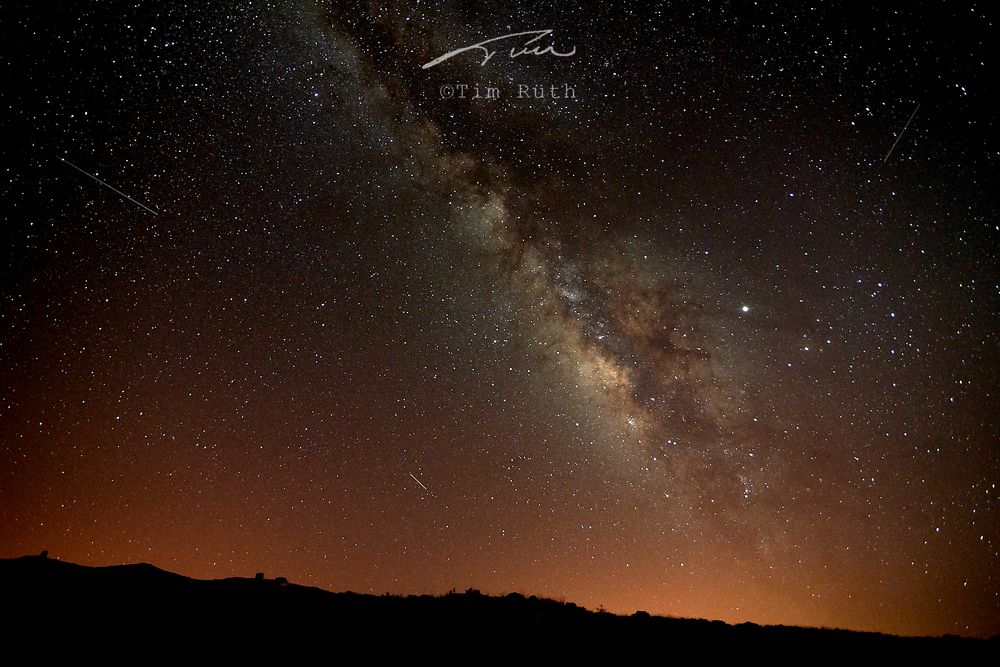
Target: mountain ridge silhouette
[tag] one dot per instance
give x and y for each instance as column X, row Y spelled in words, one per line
column 135, row 606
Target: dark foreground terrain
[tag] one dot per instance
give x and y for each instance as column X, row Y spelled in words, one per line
column 139, row 613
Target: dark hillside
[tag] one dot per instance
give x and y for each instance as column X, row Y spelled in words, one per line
column 140, row 610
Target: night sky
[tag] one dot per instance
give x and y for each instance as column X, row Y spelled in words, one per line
column 713, row 336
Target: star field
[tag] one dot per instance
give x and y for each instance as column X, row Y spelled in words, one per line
column 700, row 339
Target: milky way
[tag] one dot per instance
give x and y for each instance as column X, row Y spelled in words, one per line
column 712, row 336
column 605, row 310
